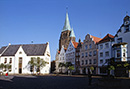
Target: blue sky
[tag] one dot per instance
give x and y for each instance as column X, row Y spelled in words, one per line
column 22, row 21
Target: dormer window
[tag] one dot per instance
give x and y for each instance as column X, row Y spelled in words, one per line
column 20, row 52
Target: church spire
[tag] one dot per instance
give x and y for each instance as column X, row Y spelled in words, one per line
column 72, row 33
column 67, row 23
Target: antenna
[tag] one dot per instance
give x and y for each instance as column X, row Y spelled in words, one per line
column 67, row 9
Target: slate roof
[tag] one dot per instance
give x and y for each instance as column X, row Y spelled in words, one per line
column 11, row 50
column 2, row 49
column 107, row 38
column 29, row 49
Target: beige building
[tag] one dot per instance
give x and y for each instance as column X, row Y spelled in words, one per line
column 89, row 55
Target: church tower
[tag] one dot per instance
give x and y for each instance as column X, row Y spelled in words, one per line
column 67, row 34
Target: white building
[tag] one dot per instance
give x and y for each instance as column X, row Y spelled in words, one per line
column 60, row 58
column 123, row 34
column 71, row 51
column 104, row 53
column 18, row 57
column 119, row 52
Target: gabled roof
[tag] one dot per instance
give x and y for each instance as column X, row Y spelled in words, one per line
column 29, row 49
column 34, row 49
column 107, row 38
column 95, row 39
column 75, row 44
column 2, row 49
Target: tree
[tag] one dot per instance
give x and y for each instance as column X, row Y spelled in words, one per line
column 71, row 68
column 5, row 68
column 111, row 70
column 40, row 64
column 61, row 65
column 9, row 67
column 31, row 65
column 1, row 66
column 36, row 63
column 68, row 64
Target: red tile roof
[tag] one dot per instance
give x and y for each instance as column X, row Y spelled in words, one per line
column 75, row 44
column 95, row 39
column 107, row 38
column 65, row 49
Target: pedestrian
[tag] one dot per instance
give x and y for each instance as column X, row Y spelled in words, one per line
column 6, row 75
column 89, row 77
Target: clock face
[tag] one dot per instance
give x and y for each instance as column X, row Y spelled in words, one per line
column 127, row 22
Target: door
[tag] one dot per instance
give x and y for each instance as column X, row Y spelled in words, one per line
column 20, row 65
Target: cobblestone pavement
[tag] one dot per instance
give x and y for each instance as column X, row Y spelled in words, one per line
column 48, row 82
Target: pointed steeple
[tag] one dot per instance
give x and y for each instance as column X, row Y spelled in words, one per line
column 72, row 33
column 67, row 23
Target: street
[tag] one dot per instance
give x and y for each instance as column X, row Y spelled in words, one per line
column 43, row 82
column 60, row 82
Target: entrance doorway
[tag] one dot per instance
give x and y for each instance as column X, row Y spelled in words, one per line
column 20, row 65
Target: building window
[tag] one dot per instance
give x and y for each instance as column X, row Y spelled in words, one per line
column 101, row 54
column 77, row 54
column 101, row 46
column 86, row 47
column 20, row 52
column 107, row 53
column 90, row 61
column 106, row 45
column 106, row 60
column 90, row 46
column 82, row 62
column 119, row 40
column 63, row 58
column 126, row 28
column 101, row 61
column 90, row 54
column 124, row 53
column 94, row 53
column 82, row 55
column 86, row 62
column 94, row 61
column 118, row 54
column 86, row 54
column 5, row 60
column 10, row 60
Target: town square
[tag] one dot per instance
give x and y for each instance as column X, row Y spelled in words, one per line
column 67, row 44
